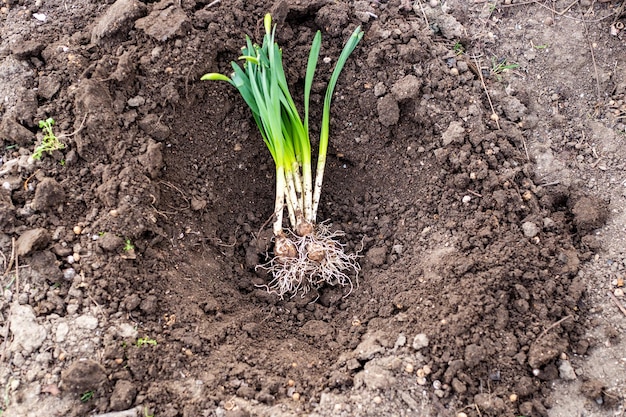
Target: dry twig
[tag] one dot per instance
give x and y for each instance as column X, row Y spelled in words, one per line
column 553, row 325
column 617, row 303
column 494, row 115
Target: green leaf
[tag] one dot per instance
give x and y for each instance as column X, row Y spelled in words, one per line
column 215, row 77
column 310, row 72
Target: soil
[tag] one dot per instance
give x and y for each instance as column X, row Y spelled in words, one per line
column 476, row 164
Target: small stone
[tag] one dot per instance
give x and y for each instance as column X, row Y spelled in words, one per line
column 513, row 398
column 28, row 335
column 619, row 292
column 377, row 400
column 380, row 89
column 69, row 274
column 421, row 380
column 566, row 371
column 530, row 229
column 62, row 330
column 296, row 396
column 31, row 240
column 409, row 368
column 127, row 331
column 420, row 341
column 86, row 322
column 136, row 101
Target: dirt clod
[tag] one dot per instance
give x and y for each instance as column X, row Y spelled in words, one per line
column 32, row 240
column 82, row 376
column 48, row 194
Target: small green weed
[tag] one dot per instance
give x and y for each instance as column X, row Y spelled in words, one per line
column 544, row 46
column 458, row 48
column 147, row 413
column 501, row 66
column 128, row 245
column 50, row 142
column 498, row 66
column 145, row 341
column 87, row 396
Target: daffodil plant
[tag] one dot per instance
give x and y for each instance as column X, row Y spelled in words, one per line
column 308, row 254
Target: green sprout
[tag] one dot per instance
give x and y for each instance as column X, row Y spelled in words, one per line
column 50, row 142
column 544, row 46
column 142, row 341
column 499, row 66
column 87, row 396
column 147, row 413
column 458, row 48
column 308, row 254
column 128, row 245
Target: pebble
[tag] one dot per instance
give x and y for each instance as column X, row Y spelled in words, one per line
column 421, row 380
column 86, row 322
column 77, row 230
column 420, row 341
column 409, row 368
column 530, row 229
column 566, row 371
column 136, row 101
column 62, row 330
column 619, row 292
column 69, row 274
column 28, row 335
column 377, row 400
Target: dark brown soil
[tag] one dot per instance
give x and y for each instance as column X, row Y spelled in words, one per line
column 461, row 241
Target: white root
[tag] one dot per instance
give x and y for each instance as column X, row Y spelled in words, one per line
column 319, row 259
column 279, row 202
column 319, row 178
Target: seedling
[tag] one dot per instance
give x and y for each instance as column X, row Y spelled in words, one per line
column 458, row 48
column 128, row 245
column 145, row 341
column 50, row 142
column 499, row 66
column 87, row 396
column 308, row 254
column 544, row 46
